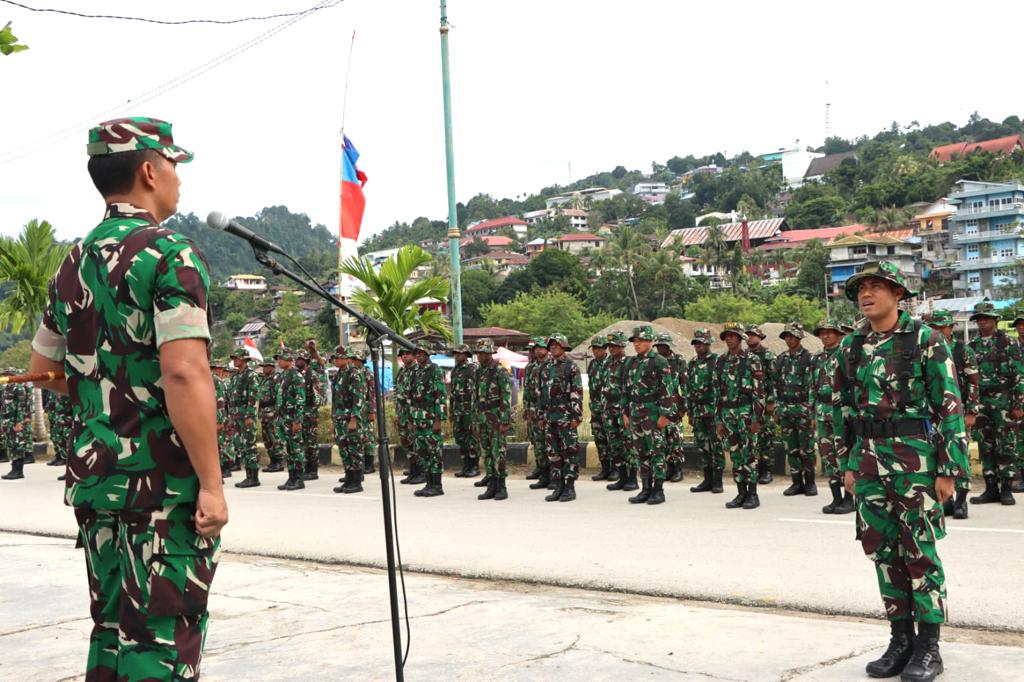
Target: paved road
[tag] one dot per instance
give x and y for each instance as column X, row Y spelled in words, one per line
column 275, row 619
column 785, row 554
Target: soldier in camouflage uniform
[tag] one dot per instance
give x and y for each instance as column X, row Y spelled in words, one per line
column 529, row 382
column 461, row 392
column 58, row 412
column 561, row 410
column 221, row 388
column 828, row 419
column 619, row 444
column 426, row 410
column 764, row 440
column 369, row 422
column 143, row 478
column 492, row 396
column 597, row 375
column 244, row 410
column 3, row 441
column 290, row 407
column 1018, row 424
column 16, row 425
column 404, row 382
column 792, row 374
column 905, row 446
column 311, row 366
column 741, row 405
column 650, row 403
column 966, row 365
column 531, row 400
column 348, row 411
column 701, row 404
column 266, row 400
column 674, row 456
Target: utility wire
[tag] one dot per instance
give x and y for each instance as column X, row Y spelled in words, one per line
column 162, row 89
column 159, row 21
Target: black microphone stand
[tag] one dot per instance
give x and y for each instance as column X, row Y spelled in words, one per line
column 376, row 332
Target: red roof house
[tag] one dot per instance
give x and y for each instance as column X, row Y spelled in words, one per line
column 1000, row 145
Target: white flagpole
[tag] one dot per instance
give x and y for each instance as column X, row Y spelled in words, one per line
column 342, row 316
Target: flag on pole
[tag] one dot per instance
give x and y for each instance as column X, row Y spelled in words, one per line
column 250, row 347
column 353, row 203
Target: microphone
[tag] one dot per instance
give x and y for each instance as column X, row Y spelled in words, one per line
column 219, row 221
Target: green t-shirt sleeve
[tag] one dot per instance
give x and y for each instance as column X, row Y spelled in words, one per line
column 180, row 295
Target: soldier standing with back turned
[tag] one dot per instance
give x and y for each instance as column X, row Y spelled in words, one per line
column 764, row 440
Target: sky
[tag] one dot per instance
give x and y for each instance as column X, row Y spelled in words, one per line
column 543, row 92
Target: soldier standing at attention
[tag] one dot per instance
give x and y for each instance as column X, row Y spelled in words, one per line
column 614, row 411
column 266, row 398
column 244, row 409
column 561, row 410
column 144, row 477
column 597, row 376
column 224, row 440
column 764, row 440
column 1001, row 389
column 17, row 423
column 702, row 404
column 3, row 421
column 531, row 393
column 528, row 380
column 427, row 403
column 290, row 408
column 404, row 382
column 493, row 399
column 966, row 365
column 792, row 374
column 369, row 422
column 348, row 405
column 904, row 449
column 674, row 456
column 649, row 404
column 310, row 365
column 461, row 393
column 58, row 413
column 828, row 418
column 741, row 406
column 1018, row 440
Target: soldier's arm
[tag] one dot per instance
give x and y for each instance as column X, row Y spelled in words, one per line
column 943, row 395
column 667, row 390
column 759, row 393
column 971, row 393
column 1016, row 357
column 505, row 388
column 437, row 388
column 576, row 396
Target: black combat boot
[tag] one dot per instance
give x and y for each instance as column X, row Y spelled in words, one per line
column 895, row 657
column 502, row 492
column 620, row 480
column 368, row 466
column 291, row 478
column 535, row 474
column 613, row 472
column 991, row 493
column 225, row 471
column 716, row 482
column 252, row 478
column 752, row 501
column 557, row 492
column 1006, row 496
column 296, row 482
column 63, row 477
column 1019, row 486
column 274, row 466
column 344, row 480
column 433, row 488
column 675, row 472
column 417, row 477
column 631, row 483
column 353, row 485
column 312, row 472
column 798, row 485
column 603, row 474
column 57, row 461
column 837, row 497
column 474, row 467
column 237, row 464
column 810, row 489
column 644, row 494
column 960, row 505
column 657, row 493
column 847, row 506
column 492, row 488
column 568, row 493
column 926, row 663
column 16, row 472
column 737, row 502
column 461, row 473
column 483, row 482
column 543, row 479
column 705, row 485
column 30, row 457
column 764, row 472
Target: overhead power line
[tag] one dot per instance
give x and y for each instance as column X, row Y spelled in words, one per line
column 81, row 15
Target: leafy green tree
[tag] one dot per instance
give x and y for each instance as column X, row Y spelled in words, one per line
column 545, row 313
column 477, row 247
column 822, row 210
column 788, row 308
column 28, row 263
column 289, row 325
column 478, row 287
column 551, row 269
column 17, row 355
column 9, row 42
column 627, row 248
column 813, row 259
column 724, row 308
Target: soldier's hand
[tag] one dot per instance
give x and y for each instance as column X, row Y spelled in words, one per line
column 755, row 427
column 18, row 427
column 720, row 430
column 437, row 426
column 503, row 428
column 969, row 420
column 945, row 486
column 296, row 427
column 574, row 424
column 211, row 512
column 770, row 408
column 662, row 422
column 352, row 424
column 249, row 423
column 373, row 416
column 625, row 421
column 1016, row 413
column 848, row 481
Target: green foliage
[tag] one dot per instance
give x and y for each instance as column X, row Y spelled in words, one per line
column 28, row 263
column 399, row 234
column 724, row 308
column 813, row 259
column 289, row 326
column 546, row 313
column 17, row 355
column 9, row 42
column 827, row 209
column 788, row 308
column 478, row 287
column 551, row 269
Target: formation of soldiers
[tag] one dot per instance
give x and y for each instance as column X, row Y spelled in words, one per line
column 15, row 425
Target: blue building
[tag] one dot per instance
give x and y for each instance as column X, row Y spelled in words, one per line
column 986, row 232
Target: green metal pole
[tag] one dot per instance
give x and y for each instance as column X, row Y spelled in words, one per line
column 449, row 154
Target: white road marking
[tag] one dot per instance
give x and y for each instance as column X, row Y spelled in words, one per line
column 948, row 526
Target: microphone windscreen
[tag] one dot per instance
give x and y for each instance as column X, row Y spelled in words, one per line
column 217, row 220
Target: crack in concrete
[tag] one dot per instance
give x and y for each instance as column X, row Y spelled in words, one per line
column 793, row 673
column 42, row 626
column 648, row 664
column 272, row 601
column 542, row 657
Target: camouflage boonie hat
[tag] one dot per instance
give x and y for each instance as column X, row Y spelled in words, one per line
column 702, row 335
column 756, row 329
column 560, row 340
column 135, row 134
column 267, row 362
column 485, row 346
column 617, row 339
column 302, row 354
column 828, row 324
column 985, row 309
column 353, row 354
column 240, row 352
column 599, row 342
column 663, row 340
column 733, row 328
column 847, row 328
column 462, row 348
column 794, row 328
column 941, row 318
column 890, row 272
column 535, row 341
column 643, row 332
column 285, row 354
column 424, row 347
column 1019, row 317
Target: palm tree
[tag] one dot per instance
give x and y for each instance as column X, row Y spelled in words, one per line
column 892, row 218
column 627, row 248
column 666, row 268
column 390, row 297
column 27, row 264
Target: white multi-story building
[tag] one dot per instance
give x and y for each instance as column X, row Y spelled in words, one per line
column 987, row 232
column 577, row 216
column 582, row 198
column 253, row 283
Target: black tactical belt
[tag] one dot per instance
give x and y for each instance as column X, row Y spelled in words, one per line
column 742, row 402
column 786, row 400
column 992, row 390
column 887, row 428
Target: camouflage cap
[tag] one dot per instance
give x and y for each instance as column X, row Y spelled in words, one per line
column 617, row 338
column 733, row 328
column 847, row 328
column 560, row 339
column 599, row 342
column 1019, row 317
column 702, row 335
column 240, row 352
column 353, row 354
column 886, row 270
column 663, row 339
column 756, row 329
column 302, row 354
column 285, row 354
column 424, row 347
column 462, row 348
column 643, row 332
column 828, row 324
column 985, row 309
column 941, row 318
column 133, row 134
column 485, row 345
column 267, row 362
column 536, row 341
column 794, row 328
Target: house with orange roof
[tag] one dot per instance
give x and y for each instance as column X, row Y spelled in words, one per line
column 1000, row 145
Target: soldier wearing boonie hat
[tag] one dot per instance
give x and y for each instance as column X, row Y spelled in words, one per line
column 675, row 455
column 792, row 375
column 650, row 402
column 598, row 377
column 764, row 440
column 828, row 417
column 462, row 410
column 427, row 414
column 561, row 410
column 701, row 405
column 493, row 399
column 624, row 459
column 538, row 353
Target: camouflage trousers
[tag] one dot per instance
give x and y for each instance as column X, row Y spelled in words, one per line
column 351, row 444
column 19, row 443
column 243, row 443
column 597, row 428
column 563, row 448
column 290, row 445
column 674, row 443
column 620, row 444
column 798, row 439
column 827, row 449
column 149, row 581
column 739, row 442
column 492, row 447
column 370, row 436
column 536, row 435
column 60, row 435
column 225, row 445
column 310, row 424
column 465, row 435
column 427, row 446
column 650, row 445
column 268, row 432
column 705, row 438
column 900, row 522
column 764, row 440
column 995, row 443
